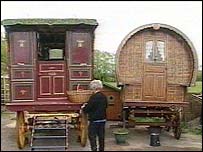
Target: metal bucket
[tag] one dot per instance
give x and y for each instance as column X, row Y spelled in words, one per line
column 154, row 139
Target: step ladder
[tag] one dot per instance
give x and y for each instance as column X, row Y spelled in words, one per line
column 49, row 133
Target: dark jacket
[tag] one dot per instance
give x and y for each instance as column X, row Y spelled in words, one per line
column 96, row 107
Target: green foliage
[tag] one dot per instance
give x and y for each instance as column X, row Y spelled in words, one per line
column 104, row 63
column 4, row 56
column 121, row 131
column 192, row 130
column 196, row 89
column 147, row 119
column 199, row 76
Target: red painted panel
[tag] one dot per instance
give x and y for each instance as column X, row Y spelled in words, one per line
column 52, row 81
column 74, row 85
column 45, row 85
column 22, row 47
column 80, row 73
column 22, row 74
column 58, row 85
column 80, row 52
column 52, row 106
column 22, row 91
column 49, row 67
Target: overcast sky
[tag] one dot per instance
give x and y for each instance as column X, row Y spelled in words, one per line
column 116, row 19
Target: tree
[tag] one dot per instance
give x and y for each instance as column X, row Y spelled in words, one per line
column 4, row 56
column 199, row 76
column 104, row 66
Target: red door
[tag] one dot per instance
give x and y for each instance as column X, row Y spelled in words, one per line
column 51, row 79
column 22, row 65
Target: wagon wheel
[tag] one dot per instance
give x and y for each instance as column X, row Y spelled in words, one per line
column 21, row 130
column 177, row 131
column 167, row 127
column 83, row 131
column 176, row 126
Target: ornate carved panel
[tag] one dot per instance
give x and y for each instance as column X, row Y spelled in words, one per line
column 22, row 91
column 22, row 74
column 81, row 85
column 80, row 52
column 49, row 67
column 22, row 48
column 80, row 74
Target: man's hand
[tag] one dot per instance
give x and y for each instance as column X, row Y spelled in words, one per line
column 81, row 108
column 83, row 105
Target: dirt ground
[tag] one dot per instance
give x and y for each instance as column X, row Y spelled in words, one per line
column 138, row 139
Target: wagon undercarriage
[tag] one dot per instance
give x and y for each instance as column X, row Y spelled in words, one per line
column 29, row 112
column 171, row 114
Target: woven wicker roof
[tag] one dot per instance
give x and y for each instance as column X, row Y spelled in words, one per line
column 40, row 21
column 159, row 25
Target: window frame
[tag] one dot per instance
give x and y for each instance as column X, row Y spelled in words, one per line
column 155, row 49
column 62, row 57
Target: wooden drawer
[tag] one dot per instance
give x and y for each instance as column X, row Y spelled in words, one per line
column 80, row 74
column 22, row 91
column 18, row 74
column 51, row 67
column 84, row 85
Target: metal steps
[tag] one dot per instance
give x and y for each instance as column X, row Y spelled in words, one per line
column 47, row 137
column 49, row 134
column 50, row 128
column 49, row 148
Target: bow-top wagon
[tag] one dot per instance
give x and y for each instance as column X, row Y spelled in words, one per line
column 155, row 63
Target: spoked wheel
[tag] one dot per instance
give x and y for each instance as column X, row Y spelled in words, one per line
column 177, row 131
column 177, row 126
column 21, row 130
column 167, row 128
column 83, row 129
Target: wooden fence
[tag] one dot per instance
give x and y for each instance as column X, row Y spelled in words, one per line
column 4, row 89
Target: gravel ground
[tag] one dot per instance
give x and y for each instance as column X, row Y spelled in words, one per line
column 138, row 139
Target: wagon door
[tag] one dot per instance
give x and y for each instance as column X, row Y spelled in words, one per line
column 22, row 65
column 154, row 81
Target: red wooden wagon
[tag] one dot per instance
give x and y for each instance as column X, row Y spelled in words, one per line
column 47, row 58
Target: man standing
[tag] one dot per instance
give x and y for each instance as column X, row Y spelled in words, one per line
column 96, row 110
